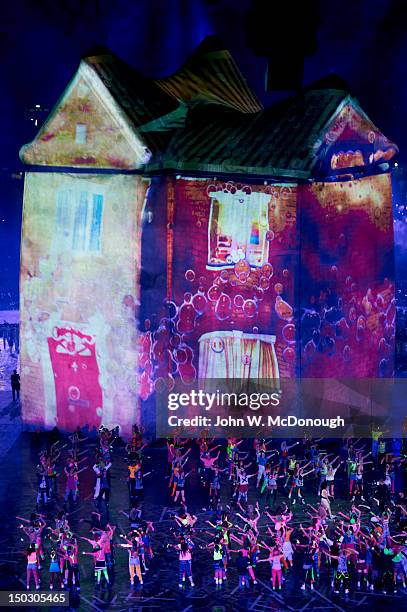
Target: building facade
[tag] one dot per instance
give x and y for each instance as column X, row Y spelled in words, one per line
column 176, row 229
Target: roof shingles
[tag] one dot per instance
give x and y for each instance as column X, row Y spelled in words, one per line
column 277, row 140
column 205, row 118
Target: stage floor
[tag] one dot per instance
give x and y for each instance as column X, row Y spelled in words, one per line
column 18, row 484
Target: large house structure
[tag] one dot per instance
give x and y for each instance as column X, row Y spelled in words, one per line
column 175, row 228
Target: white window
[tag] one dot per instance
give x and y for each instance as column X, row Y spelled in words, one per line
column 238, row 226
column 80, row 133
column 79, row 217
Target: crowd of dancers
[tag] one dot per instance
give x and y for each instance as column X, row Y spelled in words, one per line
column 255, row 498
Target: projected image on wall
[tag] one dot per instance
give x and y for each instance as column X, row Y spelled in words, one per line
column 79, row 300
column 151, row 256
column 238, row 227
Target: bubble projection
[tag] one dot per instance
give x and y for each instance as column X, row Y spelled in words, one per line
column 340, row 322
column 330, row 311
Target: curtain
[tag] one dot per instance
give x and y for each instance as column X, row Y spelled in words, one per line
column 236, row 356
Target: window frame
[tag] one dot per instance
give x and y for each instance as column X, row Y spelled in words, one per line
column 81, row 133
column 265, row 248
column 74, row 195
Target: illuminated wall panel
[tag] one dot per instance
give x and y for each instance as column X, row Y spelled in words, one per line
column 318, row 303
column 348, row 310
column 79, row 299
column 352, row 140
column 222, row 283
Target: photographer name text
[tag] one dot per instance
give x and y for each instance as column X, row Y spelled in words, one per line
column 255, row 421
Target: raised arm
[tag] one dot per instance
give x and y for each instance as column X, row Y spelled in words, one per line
column 309, row 472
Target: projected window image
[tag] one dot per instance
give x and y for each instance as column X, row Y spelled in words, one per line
column 79, row 220
column 238, row 226
column 80, row 133
column 235, row 355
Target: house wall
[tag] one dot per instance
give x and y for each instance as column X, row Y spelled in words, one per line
column 328, row 304
column 79, row 298
column 347, row 278
column 184, row 297
column 271, row 290
column 322, row 294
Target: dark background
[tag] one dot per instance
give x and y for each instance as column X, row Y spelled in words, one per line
column 290, row 43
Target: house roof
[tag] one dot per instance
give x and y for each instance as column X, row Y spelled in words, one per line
column 279, row 140
column 205, row 117
column 211, row 74
column 139, row 97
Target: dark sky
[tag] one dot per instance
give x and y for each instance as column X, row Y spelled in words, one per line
column 41, row 42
